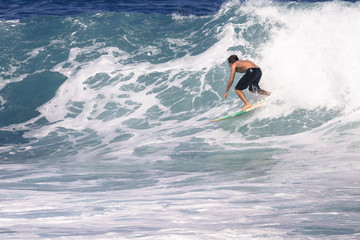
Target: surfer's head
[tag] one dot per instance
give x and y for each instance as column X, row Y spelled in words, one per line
column 232, row 59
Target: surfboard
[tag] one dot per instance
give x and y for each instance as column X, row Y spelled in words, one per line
column 255, row 106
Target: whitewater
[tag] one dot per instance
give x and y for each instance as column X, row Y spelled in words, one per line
column 105, row 131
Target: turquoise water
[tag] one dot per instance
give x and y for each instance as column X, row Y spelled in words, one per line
column 105, row 132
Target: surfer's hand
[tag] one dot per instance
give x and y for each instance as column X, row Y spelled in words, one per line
column 225, row 95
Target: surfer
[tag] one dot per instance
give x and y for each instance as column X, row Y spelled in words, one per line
column 250, row 79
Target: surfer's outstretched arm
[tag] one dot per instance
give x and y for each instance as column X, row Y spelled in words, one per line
column 231, row 80
column 228, row 87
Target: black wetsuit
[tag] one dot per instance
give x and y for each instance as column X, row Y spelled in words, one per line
column 250, row 80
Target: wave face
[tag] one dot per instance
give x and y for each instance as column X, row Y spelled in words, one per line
column 104, row 129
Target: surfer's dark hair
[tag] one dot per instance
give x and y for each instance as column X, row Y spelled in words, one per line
column 232, row 59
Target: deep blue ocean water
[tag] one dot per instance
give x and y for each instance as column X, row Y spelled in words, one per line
column 14, row 9
column 105, row 109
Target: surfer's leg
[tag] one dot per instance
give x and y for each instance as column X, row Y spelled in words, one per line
column 243, row 98
column 244, row 83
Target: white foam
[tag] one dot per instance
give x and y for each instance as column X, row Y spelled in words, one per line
column 312, row 59
column 179, row 17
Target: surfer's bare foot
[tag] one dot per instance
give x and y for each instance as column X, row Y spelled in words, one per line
column 246, row 107
column 263, row 92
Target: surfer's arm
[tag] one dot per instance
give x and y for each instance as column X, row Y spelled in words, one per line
column 231, row 80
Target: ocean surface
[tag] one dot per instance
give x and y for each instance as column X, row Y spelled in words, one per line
column 105, row 131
